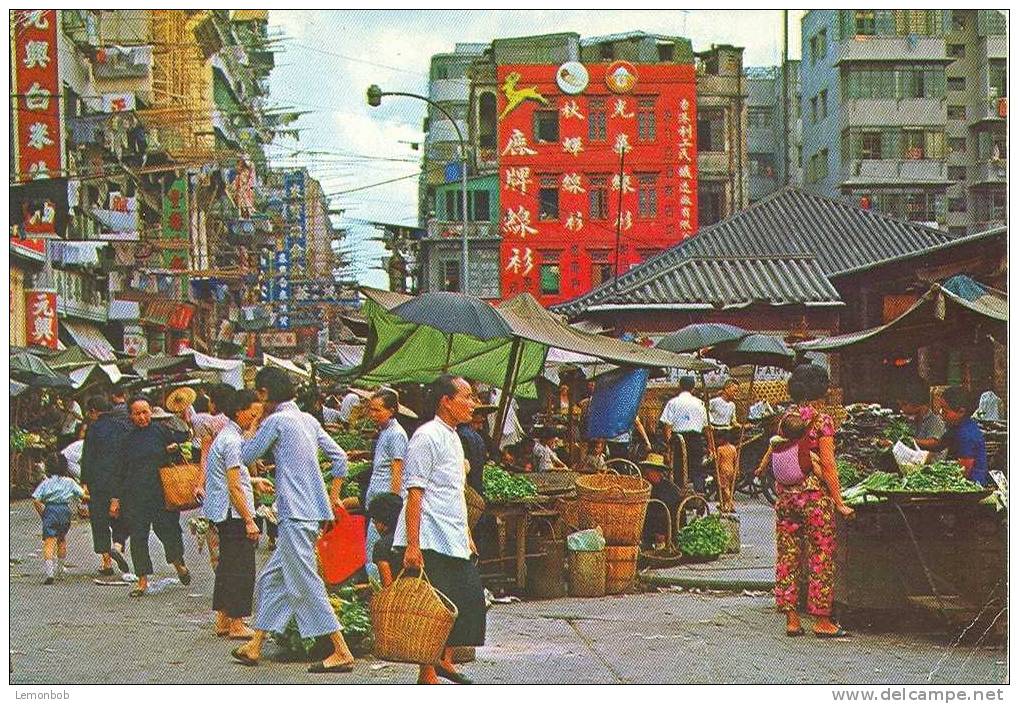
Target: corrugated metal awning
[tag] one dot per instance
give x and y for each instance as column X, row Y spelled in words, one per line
column 90, row 339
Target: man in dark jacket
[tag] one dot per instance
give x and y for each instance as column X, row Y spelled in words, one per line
column 98, row 457
column 118, row 398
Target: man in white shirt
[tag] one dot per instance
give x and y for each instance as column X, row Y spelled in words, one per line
column 432, row 528
column 347, row 406
column 722, row 408
column 686, row 417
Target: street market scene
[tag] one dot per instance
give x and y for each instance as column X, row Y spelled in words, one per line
column 431, row 347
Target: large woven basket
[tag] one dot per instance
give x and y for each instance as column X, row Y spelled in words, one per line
column 475, row 506
column 411, row 621
column 616, row 503
column 179, row 484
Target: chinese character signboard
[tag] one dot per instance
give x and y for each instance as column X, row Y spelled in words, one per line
column 584, row 150
column 41, row 318
column 134, row 340
column 36, row 126
column 293, row 256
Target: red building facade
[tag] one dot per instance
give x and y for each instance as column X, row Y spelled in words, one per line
column 566, row 133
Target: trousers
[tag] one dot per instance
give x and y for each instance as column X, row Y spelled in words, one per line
column 105, row 530
column 291, row 587
column 694, row 460
column 144, row 517
column 805, row 522
column 235, row 570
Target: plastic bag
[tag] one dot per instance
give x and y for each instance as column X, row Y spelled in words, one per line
column 590, row 540
column 909, row 459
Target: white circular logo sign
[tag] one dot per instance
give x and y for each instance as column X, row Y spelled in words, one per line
column 572, row 78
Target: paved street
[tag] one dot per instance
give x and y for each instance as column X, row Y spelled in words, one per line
column 78, row 632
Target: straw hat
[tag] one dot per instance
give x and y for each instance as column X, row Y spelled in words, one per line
column 655, row 460
column 179, row 399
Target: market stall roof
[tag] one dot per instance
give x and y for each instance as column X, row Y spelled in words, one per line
column 90, row 339
column 146, row 364
column 285, row 364
column 783, row 249
column 936, row 310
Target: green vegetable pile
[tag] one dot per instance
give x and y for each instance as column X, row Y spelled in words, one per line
column 19, row 439
column 850, row 474
column 943, row 475
column 502, row 486
column 350, row 488
column 861, row 493
column 356, row 469
column 703, row 537
column 898, row 429
column 352, row 614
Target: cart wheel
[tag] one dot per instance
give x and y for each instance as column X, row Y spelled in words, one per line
column 767, row 487
column 694, row 504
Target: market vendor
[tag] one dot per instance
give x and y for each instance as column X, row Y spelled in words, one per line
column 475, row 444
column 927, row 427
column 545, row 457
column 656, row 472
column 964, row 439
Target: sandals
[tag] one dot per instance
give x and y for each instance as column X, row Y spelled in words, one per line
column 837, row 634
column 242, row 658
column 792, row 634
column 321, row 667
column 452, row 675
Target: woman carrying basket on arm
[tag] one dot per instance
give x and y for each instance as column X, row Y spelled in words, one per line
column 432, row 528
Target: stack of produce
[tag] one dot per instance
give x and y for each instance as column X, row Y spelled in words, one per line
column 505, row 487
column 703, row 539
column 863, row 437
column 943, row 476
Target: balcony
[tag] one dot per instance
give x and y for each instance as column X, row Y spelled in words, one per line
column 713, row 163
column 988, row 172
column 891, row 112
column 709, row 84
column 995, row 47
column 449, row 230
column 865, row 172
column 875, row 48
column 992, row 109
column 442, row 131
column 449, row 90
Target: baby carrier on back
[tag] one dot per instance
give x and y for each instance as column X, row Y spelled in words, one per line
column 791, row 463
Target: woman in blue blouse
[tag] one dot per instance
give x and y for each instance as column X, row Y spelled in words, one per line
column 387, row 463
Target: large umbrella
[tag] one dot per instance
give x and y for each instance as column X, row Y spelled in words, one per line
column 31, row 370
column 700, row 335
column 756, row 349
column 455, row 313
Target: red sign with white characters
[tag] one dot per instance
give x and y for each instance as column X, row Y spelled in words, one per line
column 559, row 173
column 41, row 318
column 38, row 144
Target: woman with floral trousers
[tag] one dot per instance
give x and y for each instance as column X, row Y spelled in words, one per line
column 805, row 516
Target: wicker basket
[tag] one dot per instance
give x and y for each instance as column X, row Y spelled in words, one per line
column 475, row 506
column 411, row 621
column 179, row 484
column 616, row 503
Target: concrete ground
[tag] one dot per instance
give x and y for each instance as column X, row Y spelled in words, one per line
column 78, row 632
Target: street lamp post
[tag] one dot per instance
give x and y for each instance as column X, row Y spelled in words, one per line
column 375, row 95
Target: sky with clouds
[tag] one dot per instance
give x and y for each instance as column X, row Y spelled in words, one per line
column 327, row 59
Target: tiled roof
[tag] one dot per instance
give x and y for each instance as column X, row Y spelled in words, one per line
column 835, row 237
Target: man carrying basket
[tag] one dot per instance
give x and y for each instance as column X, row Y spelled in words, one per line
column 432, row 529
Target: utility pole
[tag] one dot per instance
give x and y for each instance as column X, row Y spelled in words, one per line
column 785, row 98
column 619, row 214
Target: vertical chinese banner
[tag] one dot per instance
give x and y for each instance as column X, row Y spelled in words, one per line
column 175, row 227
column 41, row 319
column 36, row 125
column 686, row 168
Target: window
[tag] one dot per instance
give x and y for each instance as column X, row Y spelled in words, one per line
column 598, row 198
column 487, row 122
column 870, row 145
column 596, row 120
column 822, row 103
column 920, row 207
column 758, row 117
column 997, row 202
column 957, row 205
column 550, row 279
column 957, row 230
column 912, row 144
column 905, row 82
column 710, row 130
column 956, row 173
column 548, row 197
column 956, row 51
column 601, row 269
column 997, row 80
column 762, row 164
column 605, row 51
column 454, row 205
column 546, row 125
column 451, row 275
column 818, row 46
column 919, row 22
column 646, row 119
column 864, row 22
column 710, row 202
column 647, row 195
column 666, row 52
column 958, row 21
column 956, row 112
column 957, row 83
column 957, row 145
column 480, row 206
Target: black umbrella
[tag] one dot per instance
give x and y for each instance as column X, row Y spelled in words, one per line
column 756, row 349
column 31, row 370
column 454, row 314
column 700, row 335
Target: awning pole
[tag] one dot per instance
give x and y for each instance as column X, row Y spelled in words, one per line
column 507, row 390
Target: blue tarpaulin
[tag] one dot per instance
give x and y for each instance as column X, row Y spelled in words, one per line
column 616, row 400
